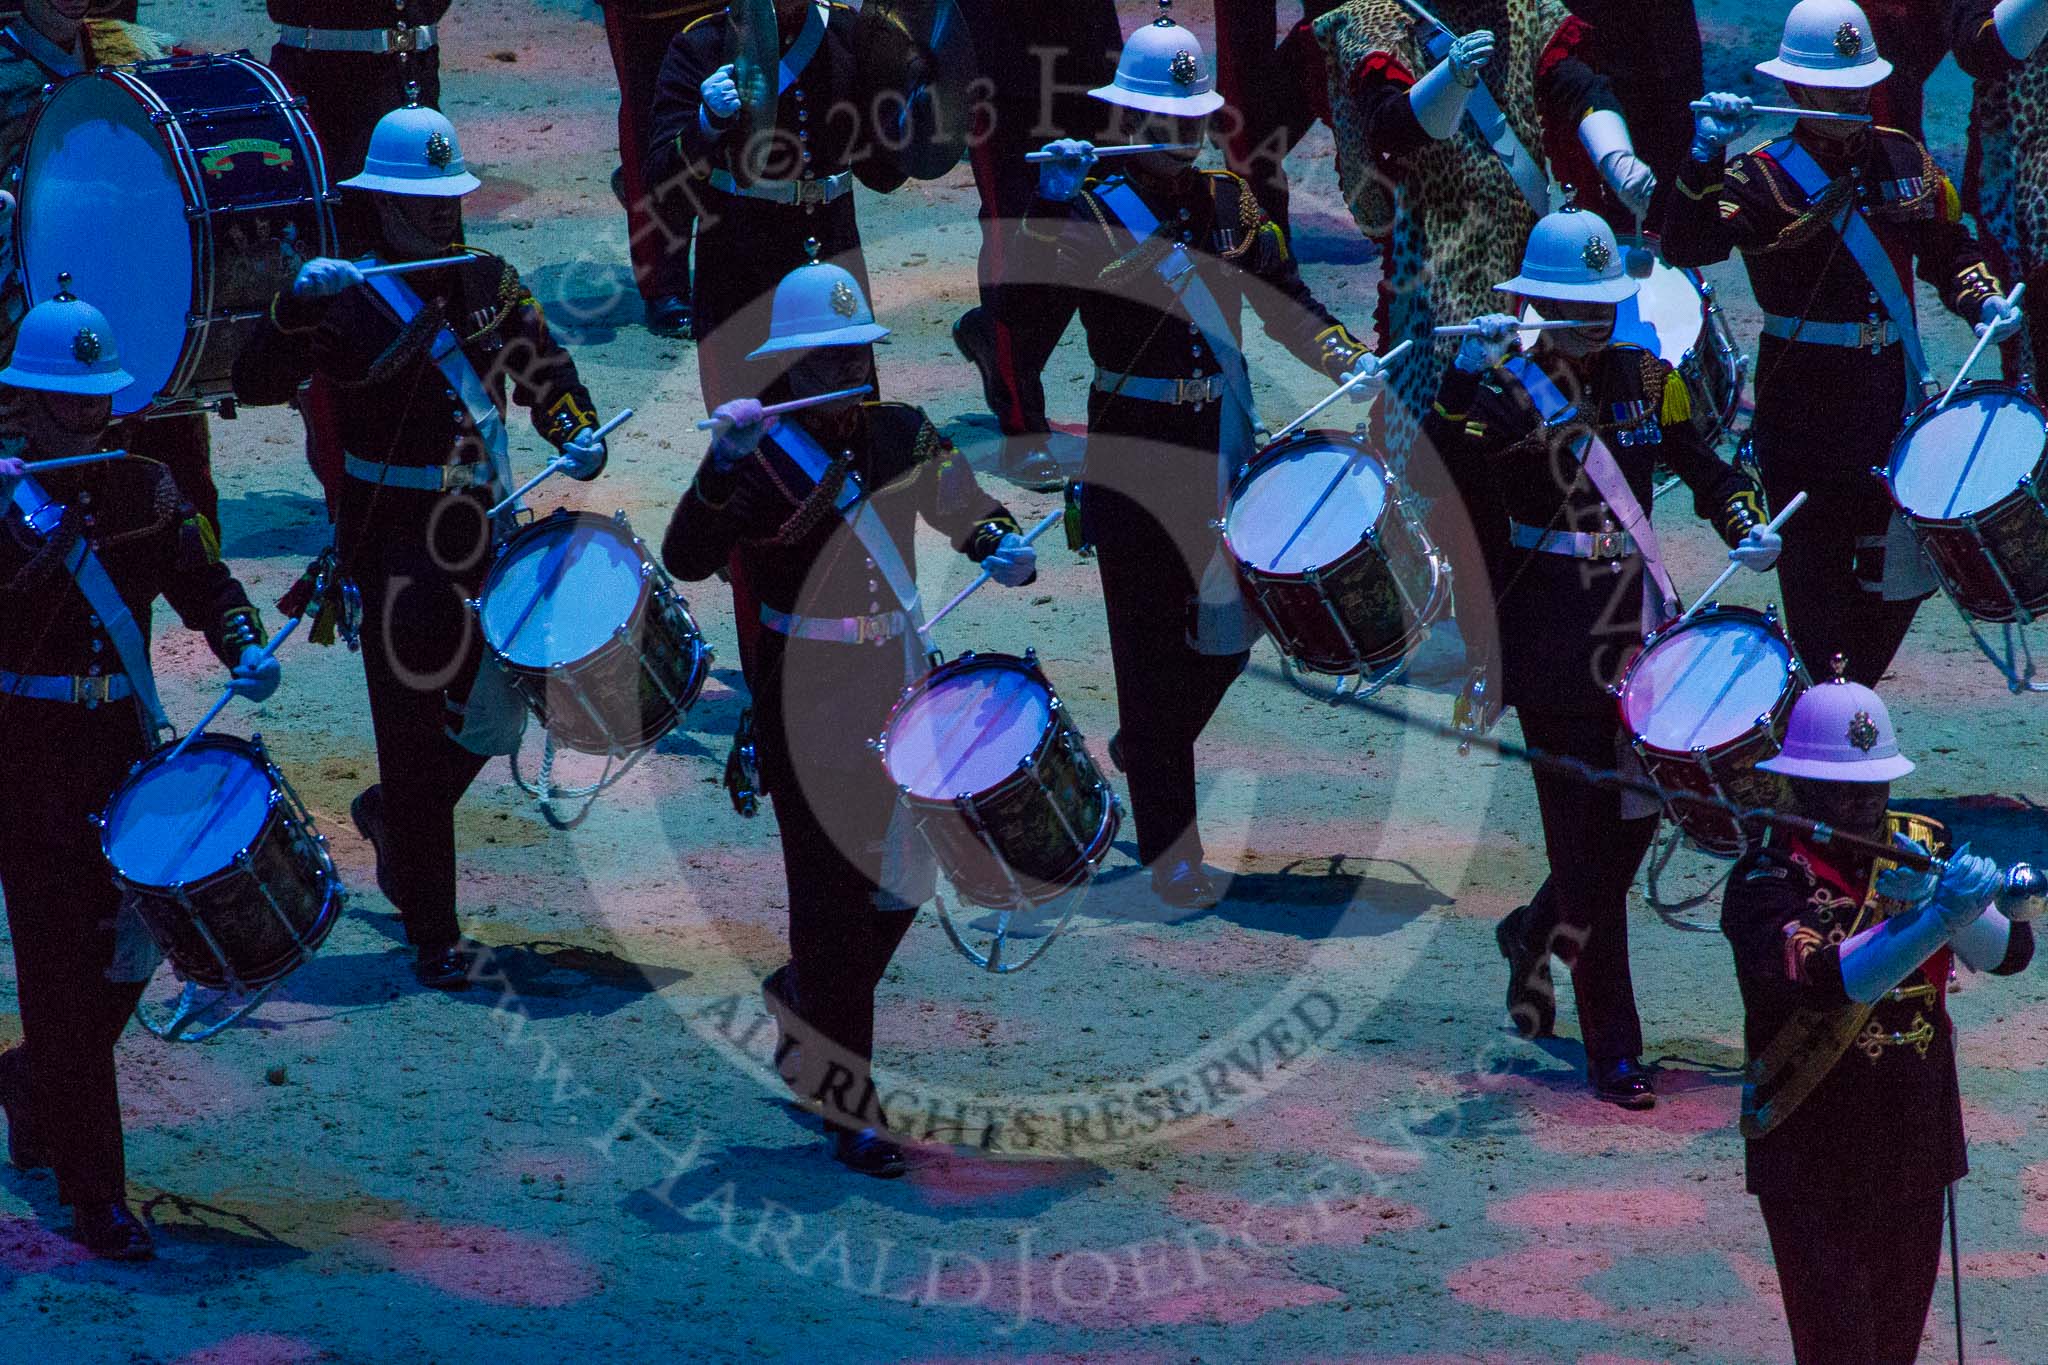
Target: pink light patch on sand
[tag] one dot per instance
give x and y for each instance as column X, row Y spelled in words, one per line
column 1141, row 1284
column 919, row 1024
column 1536, row 1282
column 254, row 1348
column 2018, row 1042
column 1345, row 1221
column 2001, row 1265
column 29, row 1248
column 1983, row 1124
column 485, row 1264
column 1229, row 954
column 949, row 1179
column 1648, row 1210
column 1572, row 1122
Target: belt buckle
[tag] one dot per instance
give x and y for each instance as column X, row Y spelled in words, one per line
column 457, row 477
column 404, row 38
column 810, row 192
column 1194, row 391
column 1870, row 334
column 92, row 691
column 1608, row 545
column 874, row 630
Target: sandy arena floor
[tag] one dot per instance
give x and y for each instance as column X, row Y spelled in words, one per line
column 585, row 1159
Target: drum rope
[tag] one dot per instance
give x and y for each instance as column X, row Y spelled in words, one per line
column 1653, row 893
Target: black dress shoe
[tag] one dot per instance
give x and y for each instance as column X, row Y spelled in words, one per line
column 25, row 1148
column 110, row 1231
column 670, row 316
column 868, row 1153
column 1626, row 1082
column 1532, row 998
column 1029, row 465
column 442, row 967
column 974, row 336
column 1185, row 886
column 366, row 813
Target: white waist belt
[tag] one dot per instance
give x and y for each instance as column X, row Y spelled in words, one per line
column 839, row 630
column 1599, row 545
column 431, row 478
column 1873, row 336
column 407, row 38
column 1207, row 389
column 86, row 692
column 820, row 191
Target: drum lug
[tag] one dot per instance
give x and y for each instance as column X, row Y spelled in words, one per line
column 620, row 517
column 1616, row 691
column 475, row 604
column 1217, row 525
column 1031, row 655
column 1763, row 722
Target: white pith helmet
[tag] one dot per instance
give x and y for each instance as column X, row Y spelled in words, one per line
column 1163, row 70
column 414, row 150
column 1828, row 44
column 815, row 305
column 1572, row 255
column 65, row 345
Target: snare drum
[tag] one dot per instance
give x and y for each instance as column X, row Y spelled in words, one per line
column 1675, row 317
column 220, row 858
column 592, row 633
column 1343, row 577
column 181, row 196
column 1704, row 703
column 1967, row 478
column 993, row 770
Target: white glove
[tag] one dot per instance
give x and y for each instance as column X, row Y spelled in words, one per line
column 1725, row 118
column 1060, row 178
column 323, row 277
column 11, row 470
column 586, row 454
column 1486, row 351
column 1469, row 55
column 1759, row 549
column 2001, row 317
column 741, row 427
column 1013, row 562
column 1374, row 382
column 2022, row 24
column 1966, row 887
column 1606, row 138
column 721, row 93
column 1438, row 100
column 257, row 675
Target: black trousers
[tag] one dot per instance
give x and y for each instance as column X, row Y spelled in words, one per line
column 839, row 946
column 346, row 93
column 1830, row 573
column 1857, row 1274
column 417, row 558
column 660, row 219
column 61, row 905
column 1151, row 539
column 1581, row 910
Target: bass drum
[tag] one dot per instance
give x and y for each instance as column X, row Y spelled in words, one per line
column 180, row 196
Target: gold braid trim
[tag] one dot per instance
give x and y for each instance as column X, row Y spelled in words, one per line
column 814, row 508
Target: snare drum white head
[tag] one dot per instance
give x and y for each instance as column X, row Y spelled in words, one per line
column 968, row 732
column 1274, row 504
column 1969, row 455
column 184, row 821
column 101, row 199
column 562, row 591
column 1706, row 684
column 1665, row 318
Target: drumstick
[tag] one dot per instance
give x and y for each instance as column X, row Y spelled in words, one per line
column 1976, row 351
column 371, row 272
column 1052, row 518
column 557, row 465
column 228, row 694
column 1798, row 501
column 1473, row 329
column 73, row 461
column 1389, row 358
column 1825, row 115
column 1121, row 149
column 794, row 405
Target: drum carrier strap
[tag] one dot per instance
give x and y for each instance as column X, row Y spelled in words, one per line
column 866, row 524
column 1612, row 485
column 1223, row 625
column 1870, row 255
column 453, row 363
column 115, row 618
